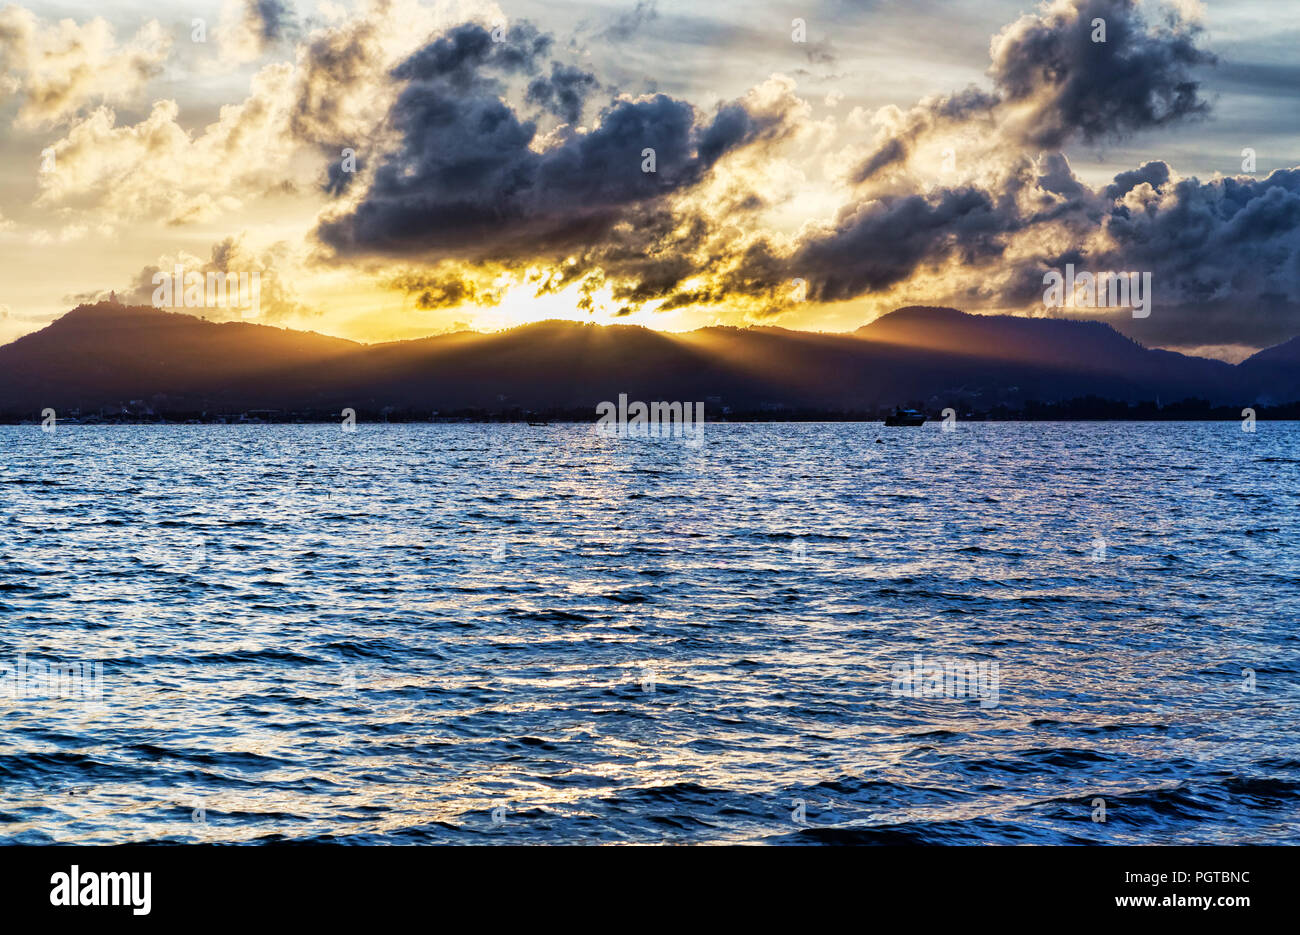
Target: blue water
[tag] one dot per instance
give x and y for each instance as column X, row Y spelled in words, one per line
column 514, row 634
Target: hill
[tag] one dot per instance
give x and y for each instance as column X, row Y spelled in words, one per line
column 108, row 357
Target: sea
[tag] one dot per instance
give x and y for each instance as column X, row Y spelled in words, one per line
column 979, row 633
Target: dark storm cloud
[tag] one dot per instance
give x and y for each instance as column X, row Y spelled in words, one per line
column 339, row 176
column 340, row 67
column 892, row 153
column 467, row 183
column 432, row 290
column 458, row 57
column 564, row 93
column 1224, row 254
column 1155, row 174
column 879, row 244
column 1055, row 178
column 871, row 247
column 262, row 25
column 273, row 18
column 1225, row 257
column 1139, row 77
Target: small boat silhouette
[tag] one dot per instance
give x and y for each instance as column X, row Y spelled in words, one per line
column 905, row 417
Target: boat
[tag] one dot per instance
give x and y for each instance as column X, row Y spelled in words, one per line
column 905, row 417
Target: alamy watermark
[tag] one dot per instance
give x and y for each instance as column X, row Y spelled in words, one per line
column 82, row 681
column 651, row 420
column 946, row 678
column 211, row 290
column 105, row 888
column 1103, row 290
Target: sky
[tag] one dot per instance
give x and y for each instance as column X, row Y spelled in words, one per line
column 397, row 169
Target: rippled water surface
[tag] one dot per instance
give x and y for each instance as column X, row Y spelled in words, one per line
column 516, row 634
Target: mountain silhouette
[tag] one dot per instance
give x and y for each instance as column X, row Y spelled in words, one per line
column 108, row 357
column 1274, row 372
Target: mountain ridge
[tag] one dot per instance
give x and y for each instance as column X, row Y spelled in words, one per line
column 108, row 357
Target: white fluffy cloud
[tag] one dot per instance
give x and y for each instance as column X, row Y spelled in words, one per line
column 335, row 94
column 57, row 69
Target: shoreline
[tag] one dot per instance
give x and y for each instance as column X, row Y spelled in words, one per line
column 812, row 420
